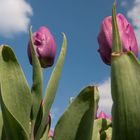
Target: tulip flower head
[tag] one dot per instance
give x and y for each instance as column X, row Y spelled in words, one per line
column 44, row 46
column 102, row 115
column 127, row 37
column 51, row 133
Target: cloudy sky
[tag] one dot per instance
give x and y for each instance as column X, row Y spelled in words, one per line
column 81, row 21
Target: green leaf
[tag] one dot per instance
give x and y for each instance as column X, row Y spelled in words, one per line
column 36, row 87
column 15, row 96
column 52, row 87
column 12, row 129
column 125, row 79
column 117, row 48
column 77, row 121
column 2, row 132
column 1, row 124
column 100, row 125
column 125, row 88
column 3, row 135
column 38, row 119
column 46, row 132
column 37, row 81
column 108, row 134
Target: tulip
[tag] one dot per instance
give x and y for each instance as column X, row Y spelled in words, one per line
column 51, row 133
column 44, row 46
column 102, row 115
column 127, row 37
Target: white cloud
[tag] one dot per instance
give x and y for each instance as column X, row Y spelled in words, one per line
column 105, row 102
column 133, row 14
column 14, row 16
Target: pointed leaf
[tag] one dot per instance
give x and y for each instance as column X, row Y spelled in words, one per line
column 125, row 81
column 117, row 48
column 1, row 125
column 52, row 87
column 45, row 135
column 106, row 135
column 15, row 95
column 77, row 121
column 2, row 131
column 12, row 128
column 37, row 81
column 38, row 119
column 99, row 126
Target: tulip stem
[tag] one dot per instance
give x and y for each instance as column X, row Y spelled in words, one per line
column 117, row 48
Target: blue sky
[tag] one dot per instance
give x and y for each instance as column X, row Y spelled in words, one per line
column 80, row 20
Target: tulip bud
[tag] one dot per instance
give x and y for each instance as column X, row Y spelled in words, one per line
column 127, row 37
column 51, row 133
column 102, row 115
column 44, row 46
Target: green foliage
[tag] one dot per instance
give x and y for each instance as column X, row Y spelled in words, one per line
column 24, row 117
column 117, row 48
column 15, row 97
column 125, row 93
column 125, row 79
column 37, row 82
column 52, row 87
column 46, row 133
column 36, row 90
column 100, row 131
column 18, row 102
column 1, row 124
column 77, row 121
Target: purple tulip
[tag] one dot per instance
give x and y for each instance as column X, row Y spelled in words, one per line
column 102, row 115
column 127, row 37
column 45, row 47
column 51, row 133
